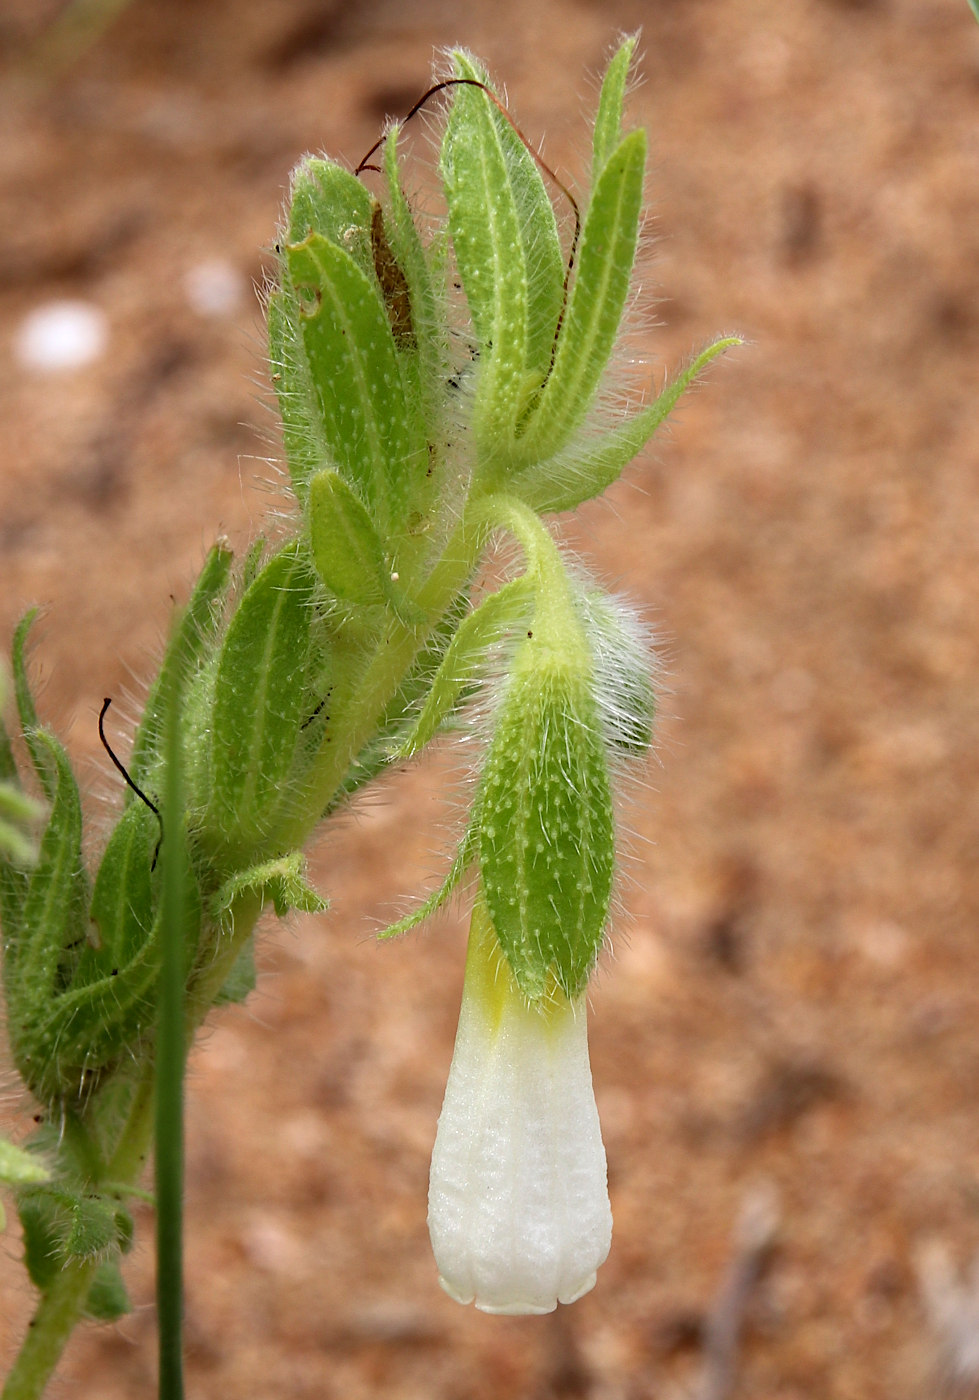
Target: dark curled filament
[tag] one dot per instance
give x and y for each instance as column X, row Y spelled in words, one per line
column 135, row 786
column 391, row 292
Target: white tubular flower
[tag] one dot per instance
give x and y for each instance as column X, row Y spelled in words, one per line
column 518, row 1207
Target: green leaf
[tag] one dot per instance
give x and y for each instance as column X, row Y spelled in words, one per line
column 52, row 916
column 464, row 856
column 347, row 551
column 107, row 1299
column 490, row 193
column 608, row 122
column 306, row 447
column 418, row 324
column 598, row 296
column 482, row 629
column 327, row 200
column 106, row 1011
column 58, row 1224
column 564, row 483
column 30, row 728
column 42, row 1232
column 189, row 644
column 20, row 1168
column 241, row 980
column 261, row 700
column 282, row 880
column 17, row 851
column 356, row 376
column 533, row 212
column 546, row 837
column 123, row 906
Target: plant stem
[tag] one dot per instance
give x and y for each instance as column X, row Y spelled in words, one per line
column 378, row 682
column 170, row 1056
column 49, row 1330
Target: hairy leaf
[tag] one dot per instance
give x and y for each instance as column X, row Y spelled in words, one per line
column 260, row 699
column 354, row 369
column 598, row 296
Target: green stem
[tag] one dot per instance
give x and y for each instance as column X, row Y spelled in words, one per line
column 555, row 615
column 49, row 1330
column 170, row 1057
column 370, row 694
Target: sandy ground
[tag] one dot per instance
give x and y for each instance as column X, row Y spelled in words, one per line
column 792, row 1003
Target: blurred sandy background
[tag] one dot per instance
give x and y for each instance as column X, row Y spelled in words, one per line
column 792, row 1007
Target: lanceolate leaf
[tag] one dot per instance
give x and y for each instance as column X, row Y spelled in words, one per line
column 467, row 651
column 484, row 220
column 123, row 904
column 326, row 199
column 188, row 645
column 348, row 554
column 29, row 726
column 303, row 435
column 608, row 122
column 598, row 296
column 106, row 1011
column 260, row 699
column 354, row 369
column 534, row 214
column 565, row 482
column 462, row 860
column 53, row 912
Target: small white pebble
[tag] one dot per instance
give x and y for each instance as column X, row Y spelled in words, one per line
column 214, row 288
column 61, row 335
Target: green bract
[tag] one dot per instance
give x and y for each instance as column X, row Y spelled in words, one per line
column 438, row 384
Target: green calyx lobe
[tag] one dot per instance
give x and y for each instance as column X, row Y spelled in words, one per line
column 546, row 840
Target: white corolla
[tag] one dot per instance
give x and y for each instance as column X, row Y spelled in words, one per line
column 518, row 1206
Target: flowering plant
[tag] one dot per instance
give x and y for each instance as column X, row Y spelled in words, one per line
column 436, row 393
